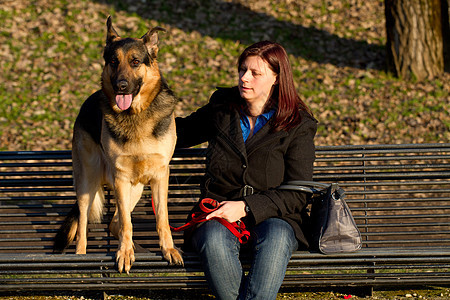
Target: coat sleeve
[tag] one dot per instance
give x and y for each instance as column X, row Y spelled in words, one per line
column 197, row 127
column 192, row 130
column 299, row 161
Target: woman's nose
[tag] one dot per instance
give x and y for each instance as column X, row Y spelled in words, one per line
column 244, row 76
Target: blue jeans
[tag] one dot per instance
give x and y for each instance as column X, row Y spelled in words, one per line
column 271, row 246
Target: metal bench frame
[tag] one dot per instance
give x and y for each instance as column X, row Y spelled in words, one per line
column 399, row 195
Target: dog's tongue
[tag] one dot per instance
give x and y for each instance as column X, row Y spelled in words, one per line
column 124, row 101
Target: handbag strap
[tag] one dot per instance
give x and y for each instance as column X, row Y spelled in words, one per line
column 311, row 187
column 314, row 188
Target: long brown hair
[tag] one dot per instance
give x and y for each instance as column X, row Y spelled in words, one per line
column 284, row 99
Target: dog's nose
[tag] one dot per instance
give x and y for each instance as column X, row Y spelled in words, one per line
column 122, row 85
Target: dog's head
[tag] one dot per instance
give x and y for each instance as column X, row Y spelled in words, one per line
column 131, row 77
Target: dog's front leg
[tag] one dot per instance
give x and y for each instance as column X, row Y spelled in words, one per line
column 159, row 188
column 83, row 206
column 114, row 226
column 125, row 253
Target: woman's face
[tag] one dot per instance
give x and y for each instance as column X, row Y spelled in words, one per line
column 256, row 80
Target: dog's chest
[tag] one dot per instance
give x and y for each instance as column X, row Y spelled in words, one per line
column 142, row 169
column 138, row 168
column 138, row 161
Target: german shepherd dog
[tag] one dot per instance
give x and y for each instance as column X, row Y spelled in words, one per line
column 124, row 136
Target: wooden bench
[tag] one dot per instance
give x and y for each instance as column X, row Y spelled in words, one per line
column 399, row 195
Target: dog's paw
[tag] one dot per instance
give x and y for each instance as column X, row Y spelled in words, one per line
column 173, row 256
column 124, row 259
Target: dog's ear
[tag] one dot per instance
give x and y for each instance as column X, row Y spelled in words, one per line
column 150, row 40
column 111, row 33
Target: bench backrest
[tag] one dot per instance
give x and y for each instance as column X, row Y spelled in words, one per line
column 399, row 196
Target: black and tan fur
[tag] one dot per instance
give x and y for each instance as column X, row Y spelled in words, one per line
column 124, row 146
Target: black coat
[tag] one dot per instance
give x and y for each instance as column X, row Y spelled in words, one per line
column 264, row 162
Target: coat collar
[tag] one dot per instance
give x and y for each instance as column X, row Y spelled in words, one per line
column 230, row 128
column 262, row 137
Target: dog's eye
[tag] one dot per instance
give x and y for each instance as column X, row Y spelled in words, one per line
column 113, row 62
column 135, row 62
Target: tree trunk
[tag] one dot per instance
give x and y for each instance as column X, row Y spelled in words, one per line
column 445, row 9
column 414, row 38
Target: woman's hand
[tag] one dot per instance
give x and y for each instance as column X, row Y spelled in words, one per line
column 231, row 211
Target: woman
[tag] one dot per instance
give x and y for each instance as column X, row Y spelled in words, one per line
column 260, row 134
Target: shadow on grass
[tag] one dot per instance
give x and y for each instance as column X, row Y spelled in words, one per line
column 233, row 21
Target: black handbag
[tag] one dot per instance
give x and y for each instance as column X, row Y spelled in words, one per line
column 332, row 227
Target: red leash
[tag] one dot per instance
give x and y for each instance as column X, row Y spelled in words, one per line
column 207, row 206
